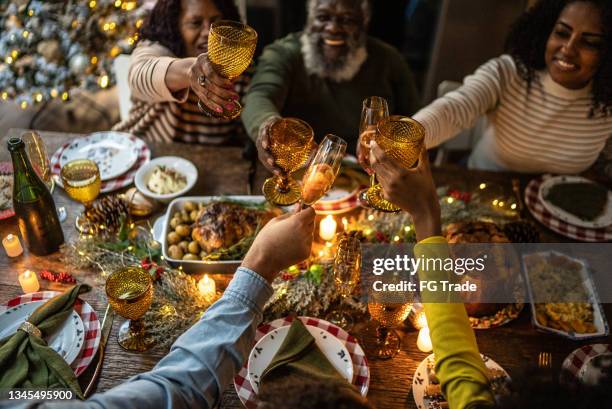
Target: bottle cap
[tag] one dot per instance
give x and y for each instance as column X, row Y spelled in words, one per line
column 15, row 143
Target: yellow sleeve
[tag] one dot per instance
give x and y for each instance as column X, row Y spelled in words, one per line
column 459, row 368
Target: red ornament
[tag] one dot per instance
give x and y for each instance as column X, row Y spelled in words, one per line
column 61, row 277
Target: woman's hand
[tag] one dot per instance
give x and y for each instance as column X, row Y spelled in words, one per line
column 263, row 145
column 216, row 92
column 411, row 189
column 284, row 241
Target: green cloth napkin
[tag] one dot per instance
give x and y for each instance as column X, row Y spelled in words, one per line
column 299, row 357
column 27, row 362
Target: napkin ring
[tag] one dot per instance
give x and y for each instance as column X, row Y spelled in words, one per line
column 30, row 328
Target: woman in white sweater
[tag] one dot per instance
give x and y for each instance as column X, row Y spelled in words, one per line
column 548, row 102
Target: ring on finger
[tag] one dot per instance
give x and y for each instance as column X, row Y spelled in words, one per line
column 202, row 80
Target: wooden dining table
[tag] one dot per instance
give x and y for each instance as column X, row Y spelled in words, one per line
column 222, row 170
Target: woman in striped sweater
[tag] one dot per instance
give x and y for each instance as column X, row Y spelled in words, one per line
column 548, row 101
column 170, row 71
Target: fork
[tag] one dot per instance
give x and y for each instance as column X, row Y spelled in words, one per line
column 545, row 360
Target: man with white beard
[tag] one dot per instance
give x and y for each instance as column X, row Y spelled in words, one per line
column 323, row 74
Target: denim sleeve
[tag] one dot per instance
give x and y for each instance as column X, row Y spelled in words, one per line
column 200, row 364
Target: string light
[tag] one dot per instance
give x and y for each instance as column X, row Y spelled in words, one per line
column 30, row 12
column 118, row 3
column 92, row 4
column 407, row 229
column 8, row 59
column 501, row 204
column 103, row 81
column 495, row 202
column 482, row 186
column 64, row 96
column 74, row 24
column 24, row 104
column 14, row 54
column 513, row 206
column 371, row 217
column 450, row 200
column 396, row 238
column 5, row 95
column 25, row 34
column 54, row 93
column 139, row 23
column 94, row 60
column 39, row 97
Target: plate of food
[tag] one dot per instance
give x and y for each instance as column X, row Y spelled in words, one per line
column 263, row 352
column 114, row 152
column 213, row 233
column 589, row 365
column 426, row 387
column 166, row 178
column 6, row 190
column 563, row 297
column 67, row 341
column 577, row 201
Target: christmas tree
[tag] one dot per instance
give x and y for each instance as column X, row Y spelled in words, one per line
column 48, row 48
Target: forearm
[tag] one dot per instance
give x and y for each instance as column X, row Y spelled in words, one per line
column 177, row 75
column 200, row 364
column 459, row 368
column 258, row 107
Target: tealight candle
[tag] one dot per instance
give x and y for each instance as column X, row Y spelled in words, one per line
column 327, row 228
column 12, row 245
column 424, row 340
column 207, row 287
column 28, row 282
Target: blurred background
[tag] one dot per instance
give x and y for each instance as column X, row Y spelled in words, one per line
column 442, row 40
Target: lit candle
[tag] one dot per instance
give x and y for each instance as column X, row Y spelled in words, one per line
column 207, row 288
column 28, row 281
column 424, row 340
column 327, row 228
column 12, row 245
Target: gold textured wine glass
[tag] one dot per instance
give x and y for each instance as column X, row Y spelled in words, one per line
column 130, row 293
column 372, row 111
column 291, row 143
column 323, row 169
column 401, row 138
column 81, row 179
column 389, row 314
column 347, row 265
column 231, row 45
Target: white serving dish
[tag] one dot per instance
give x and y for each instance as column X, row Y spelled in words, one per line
column 599, row 317
column 174, row 162
column 199, row 266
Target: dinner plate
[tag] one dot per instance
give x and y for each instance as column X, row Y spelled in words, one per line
column 604, row 219
column 263, row 352
column 88, row 316
column 67, row 341
column 576, row 366
column 421, row 380
column 361, row 370
column 6, row 169
column 114, row 152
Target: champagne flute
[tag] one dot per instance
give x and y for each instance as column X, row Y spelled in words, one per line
column 389, row 313
column 81, row 179
column 347, row 265
column 231, row 45
column 291, row 142
column 373, row 110
column 130, row 293
column 401, row 138
column 323, row 169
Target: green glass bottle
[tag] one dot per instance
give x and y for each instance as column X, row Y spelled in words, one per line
column 33, row 204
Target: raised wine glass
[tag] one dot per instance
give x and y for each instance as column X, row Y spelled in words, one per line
column 373, row 110
column 81, row 179
column 323, row 169
column 401, row 138
column 130, row 293
column 347, row 265
column 291, row 143
column 231, row 45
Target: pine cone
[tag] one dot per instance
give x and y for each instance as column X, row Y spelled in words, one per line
column 522, row 231
column 107, row 213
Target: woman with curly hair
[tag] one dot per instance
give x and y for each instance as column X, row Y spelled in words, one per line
column 548, row 101
column 170, row 71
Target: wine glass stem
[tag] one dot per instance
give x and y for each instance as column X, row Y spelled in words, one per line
column 382, row 333
column 283, row 184
column 372, row 179
column 136, row 326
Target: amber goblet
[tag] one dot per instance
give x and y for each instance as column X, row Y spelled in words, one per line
column 231, row 45
column 291, row 142
column 401, row 138
column 130, row 293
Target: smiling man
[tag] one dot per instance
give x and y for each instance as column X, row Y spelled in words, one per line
column 323, row 74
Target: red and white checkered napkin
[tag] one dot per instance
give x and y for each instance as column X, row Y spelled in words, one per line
column 126, row 179
column 540, row 213
column 90, row 322
column 361, row 377
column 574, row 361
